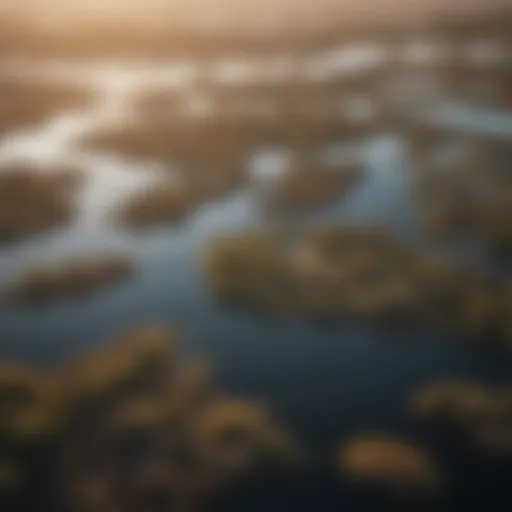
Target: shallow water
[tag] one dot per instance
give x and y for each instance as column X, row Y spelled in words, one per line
column 326, row 380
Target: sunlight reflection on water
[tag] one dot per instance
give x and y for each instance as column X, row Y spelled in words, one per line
column 119, row 85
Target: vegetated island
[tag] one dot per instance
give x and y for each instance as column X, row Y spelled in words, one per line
column 391, row 464
column 155, row 205
column 32, row 201
column 25, row 103
column 482, row 414
column 353, row 270
column 76, row 277
column 130, row 426
column 311, row 186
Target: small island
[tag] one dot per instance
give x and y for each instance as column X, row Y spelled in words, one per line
column 311, row 186
column 178, row 139
column 389, row 463
column 135, row 139
column 480, row 413
column 158, row 204
column 33, row 201
column 26, row 103
column 76, row 277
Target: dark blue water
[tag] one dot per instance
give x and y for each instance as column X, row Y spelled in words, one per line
column 325, row 380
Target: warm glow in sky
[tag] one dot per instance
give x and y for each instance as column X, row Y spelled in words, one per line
column 223, row 14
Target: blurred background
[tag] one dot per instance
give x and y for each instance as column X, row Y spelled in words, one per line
column 255, row 255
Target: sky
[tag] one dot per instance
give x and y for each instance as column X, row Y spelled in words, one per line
column 224, row 14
